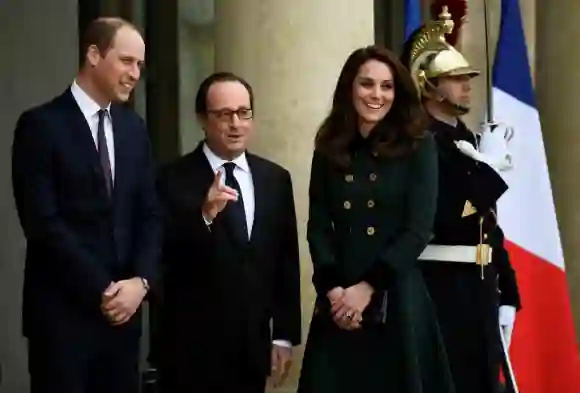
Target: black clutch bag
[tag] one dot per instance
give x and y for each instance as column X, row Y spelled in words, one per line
column 376, row 311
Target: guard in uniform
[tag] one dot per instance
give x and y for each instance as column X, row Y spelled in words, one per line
column 466, row 266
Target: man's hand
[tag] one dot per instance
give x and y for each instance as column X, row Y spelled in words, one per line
column 121, row 300
column 217, row 198
column 469, row 150
column 507, row 318
column 281, row 363
column 494, row 144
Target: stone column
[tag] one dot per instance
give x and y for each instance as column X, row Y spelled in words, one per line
column 557, row 87
column 291, row 52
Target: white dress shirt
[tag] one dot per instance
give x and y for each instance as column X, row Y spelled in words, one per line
column 90, row 110
column 243, row 175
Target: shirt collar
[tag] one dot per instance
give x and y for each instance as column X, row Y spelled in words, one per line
column 216, row 162
column 87, row 105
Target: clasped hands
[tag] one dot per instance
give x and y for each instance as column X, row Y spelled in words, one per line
column 121, row 300
column 348, row 304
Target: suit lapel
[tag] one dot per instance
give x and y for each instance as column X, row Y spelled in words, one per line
column 121, row 146
column 200, row 164
column 259, row 179
column 82, row 138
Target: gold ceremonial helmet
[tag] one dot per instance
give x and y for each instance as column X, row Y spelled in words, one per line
column 431, row 56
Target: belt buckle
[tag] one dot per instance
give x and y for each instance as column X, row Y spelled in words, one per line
column 483, row 254
column 483, row 257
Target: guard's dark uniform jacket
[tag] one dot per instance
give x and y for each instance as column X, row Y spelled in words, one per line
column 467, row 305
column 370, row 221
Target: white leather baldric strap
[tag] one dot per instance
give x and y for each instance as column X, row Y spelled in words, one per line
column 464, row 254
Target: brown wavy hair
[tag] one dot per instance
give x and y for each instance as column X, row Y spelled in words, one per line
column 398, row 132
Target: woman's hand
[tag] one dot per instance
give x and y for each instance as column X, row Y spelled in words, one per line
column 336, row 298
column 358, row 296
column 347, row 309
column 335, row 295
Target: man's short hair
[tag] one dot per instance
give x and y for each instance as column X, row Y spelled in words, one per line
column 201, row 97
column 101, row 33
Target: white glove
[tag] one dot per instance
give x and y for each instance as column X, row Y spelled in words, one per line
column 469, row 150
column 507, row 318
column 494, row 146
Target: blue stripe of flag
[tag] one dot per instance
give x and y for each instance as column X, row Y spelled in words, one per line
column 412, row 16
column 511, row 69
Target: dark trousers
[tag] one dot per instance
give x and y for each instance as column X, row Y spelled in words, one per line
column 228, row 380
column 109, row 364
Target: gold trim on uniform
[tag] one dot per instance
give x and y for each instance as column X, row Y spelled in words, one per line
column 468, row 209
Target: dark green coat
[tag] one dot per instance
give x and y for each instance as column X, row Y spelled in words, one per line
column 370, row 222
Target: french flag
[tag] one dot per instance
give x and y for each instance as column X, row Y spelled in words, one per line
column 412, row 16
column 543, row 350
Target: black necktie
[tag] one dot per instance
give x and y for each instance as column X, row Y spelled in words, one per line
column 235, row 210
column 104, row 152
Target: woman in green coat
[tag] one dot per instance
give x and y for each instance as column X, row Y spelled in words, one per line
column 373, row 194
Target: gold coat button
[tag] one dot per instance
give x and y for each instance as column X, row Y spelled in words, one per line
column 349, row 178
column 373, row 176
column 370, row 231
column 371, row 204
column 347, row 205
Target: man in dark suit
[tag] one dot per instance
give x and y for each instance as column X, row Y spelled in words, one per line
column 85, row 192
column 231, row 309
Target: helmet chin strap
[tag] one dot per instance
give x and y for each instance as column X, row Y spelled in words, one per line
column 437, row 95
column 460, row 109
